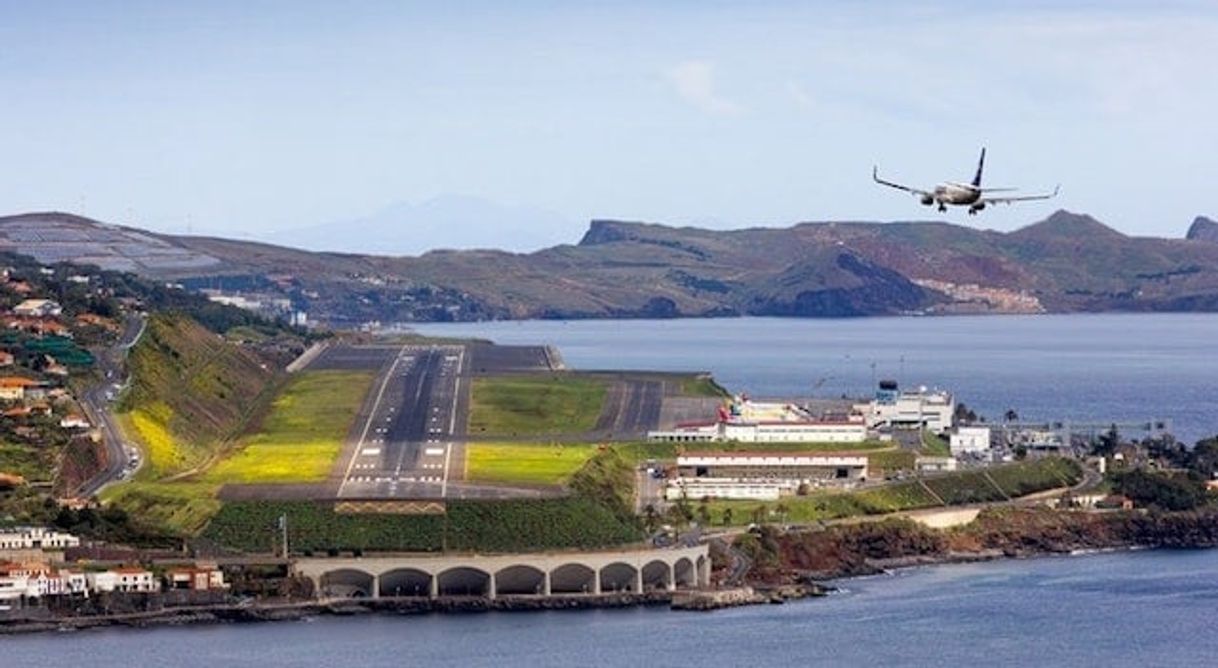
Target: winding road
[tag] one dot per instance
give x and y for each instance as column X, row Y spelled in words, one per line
column 111, row 363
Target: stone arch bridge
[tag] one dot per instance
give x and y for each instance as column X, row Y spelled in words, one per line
column 491, row 576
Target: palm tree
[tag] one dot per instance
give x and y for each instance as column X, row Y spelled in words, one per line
column 727, row 516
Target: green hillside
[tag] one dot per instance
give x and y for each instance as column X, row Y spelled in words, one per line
column 190, row 393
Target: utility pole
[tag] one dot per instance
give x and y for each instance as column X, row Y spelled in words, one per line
column 283, row 537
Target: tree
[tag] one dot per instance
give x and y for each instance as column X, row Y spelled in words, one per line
column 704, row 516
column 651, row 518
column 1010, row 415
column 759, row 514
column 727, row 516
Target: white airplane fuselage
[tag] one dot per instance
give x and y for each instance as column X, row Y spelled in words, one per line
column 957, row 194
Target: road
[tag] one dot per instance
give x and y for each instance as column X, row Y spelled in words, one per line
column 95, row 402
column 406, row 443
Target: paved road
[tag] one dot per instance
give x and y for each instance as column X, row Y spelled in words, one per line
column 96, row 400
column 406, row 442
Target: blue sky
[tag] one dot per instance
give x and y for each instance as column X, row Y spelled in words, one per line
column 251, row 117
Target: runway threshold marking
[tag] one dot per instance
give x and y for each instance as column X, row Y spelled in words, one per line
column 368, row 423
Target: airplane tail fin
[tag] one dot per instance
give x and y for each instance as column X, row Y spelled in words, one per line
column 980, row 166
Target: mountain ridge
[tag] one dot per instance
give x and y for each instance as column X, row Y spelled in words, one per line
column 1068, row 262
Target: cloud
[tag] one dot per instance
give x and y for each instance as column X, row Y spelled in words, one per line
column 694, row 81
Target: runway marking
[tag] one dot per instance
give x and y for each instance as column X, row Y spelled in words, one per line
column 452, row 425
column 434, row 451
column 370, row 451
column 371, row 414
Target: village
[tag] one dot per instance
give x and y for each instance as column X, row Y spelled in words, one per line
column 34, row 567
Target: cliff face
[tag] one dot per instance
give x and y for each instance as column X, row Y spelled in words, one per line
column 1203, row 229
column 860, row 549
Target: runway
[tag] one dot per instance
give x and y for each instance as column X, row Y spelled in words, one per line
column 405, row 441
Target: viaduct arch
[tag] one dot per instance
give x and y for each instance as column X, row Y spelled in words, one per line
column 490, row 576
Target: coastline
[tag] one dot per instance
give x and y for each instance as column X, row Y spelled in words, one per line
column 788, row 566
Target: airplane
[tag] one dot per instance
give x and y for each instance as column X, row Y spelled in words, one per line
column 971, row 195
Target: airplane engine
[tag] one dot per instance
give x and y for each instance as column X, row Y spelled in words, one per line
column 927, row 200
column 972, row 210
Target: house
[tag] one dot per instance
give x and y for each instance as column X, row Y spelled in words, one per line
column 74, row 422
column 36, row 538
column 40, row 579
column 929, row 464
column 102, row 581
column 195, row 578
column 54, row 368
column 135, row 579
column 969, row 440
column 38, row 308
column 13, row 388
column 6, row 358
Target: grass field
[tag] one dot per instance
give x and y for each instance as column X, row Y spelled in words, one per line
column 535, row 405
column 26, row 461
column 552, row 464
column 303, row 433
column 297, row 442
column 525, row 463
column 701, row 386
column 180, row 507
column 163, row 452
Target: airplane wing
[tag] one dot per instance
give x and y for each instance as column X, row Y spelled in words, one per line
column 875, row 175
column 1020, row 198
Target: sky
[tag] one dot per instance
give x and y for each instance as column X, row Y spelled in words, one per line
column 255, row 117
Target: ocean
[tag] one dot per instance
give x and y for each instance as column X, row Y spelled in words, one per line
column 1118, row 609
column 1092, row 367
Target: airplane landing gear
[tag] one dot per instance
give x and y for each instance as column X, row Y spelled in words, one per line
column 942, row 207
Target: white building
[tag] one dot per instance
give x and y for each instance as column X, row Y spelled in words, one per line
column 36, row 538
column 770, row 431
column 38, row 308
column 102, row 581
column 928, row 464
column 921, row 409
column 135, row 580
column 970, row 440
column 718, row 488
column 760, row 475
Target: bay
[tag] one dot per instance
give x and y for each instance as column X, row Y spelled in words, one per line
column 1095, row 367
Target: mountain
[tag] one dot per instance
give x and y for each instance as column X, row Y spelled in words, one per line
column 1203, row 229
column 448, row 221
column 1065, row 263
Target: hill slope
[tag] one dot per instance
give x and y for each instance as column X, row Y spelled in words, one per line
column 190, row 392
column 1068, row 262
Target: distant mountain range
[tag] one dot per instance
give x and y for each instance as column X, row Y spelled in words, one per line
column 413, row 229
column 1066, row 263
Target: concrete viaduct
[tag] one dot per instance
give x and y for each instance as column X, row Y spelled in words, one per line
column 491, row 576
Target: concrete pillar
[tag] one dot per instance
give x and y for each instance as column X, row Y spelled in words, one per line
column 672, row 577
column 376, row 586
column 545, row 587
column 596, row 581
column 317, row 592
column 638, row 580
column 491, row 588
column 435, row 586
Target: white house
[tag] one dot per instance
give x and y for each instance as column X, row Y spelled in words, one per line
column 134, row 579
column 102, row 581
column 38, row 308
column 36, row 538
column 970, row 440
